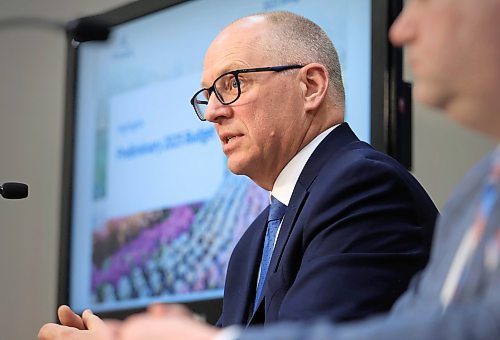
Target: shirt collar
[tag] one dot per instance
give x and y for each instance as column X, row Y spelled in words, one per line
column 288, row 177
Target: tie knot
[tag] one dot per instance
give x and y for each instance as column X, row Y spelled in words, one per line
column 277, row 210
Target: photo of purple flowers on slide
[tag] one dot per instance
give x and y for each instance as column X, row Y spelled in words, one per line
column 175, row 251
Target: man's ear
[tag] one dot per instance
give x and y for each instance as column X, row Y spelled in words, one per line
column 314, row 84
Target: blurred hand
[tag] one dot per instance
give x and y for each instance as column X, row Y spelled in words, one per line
column 162, row 322
column 69, row 318
column 93, row 328
column 159, row 309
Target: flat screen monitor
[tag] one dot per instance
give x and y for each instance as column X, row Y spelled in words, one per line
column 150, row 212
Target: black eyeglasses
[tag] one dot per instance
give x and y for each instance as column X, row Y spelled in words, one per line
column 227, row 88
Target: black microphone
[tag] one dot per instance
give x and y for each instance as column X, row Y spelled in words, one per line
column 13, row 190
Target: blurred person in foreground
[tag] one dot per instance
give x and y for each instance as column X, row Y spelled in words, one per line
column 356, row 224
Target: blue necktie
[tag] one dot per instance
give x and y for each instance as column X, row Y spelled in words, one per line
column 276, row 213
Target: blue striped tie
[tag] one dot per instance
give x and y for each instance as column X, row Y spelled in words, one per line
column 276, row 213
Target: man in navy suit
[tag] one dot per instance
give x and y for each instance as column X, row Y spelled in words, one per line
column 356, row 226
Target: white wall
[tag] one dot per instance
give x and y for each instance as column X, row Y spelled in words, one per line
column 32, row 66
column 443, row 152
column 32, row 75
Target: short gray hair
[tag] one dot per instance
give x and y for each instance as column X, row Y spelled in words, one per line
column 297, row 40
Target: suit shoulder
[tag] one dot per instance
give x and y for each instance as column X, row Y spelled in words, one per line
column 359, row 156
column 361, row 168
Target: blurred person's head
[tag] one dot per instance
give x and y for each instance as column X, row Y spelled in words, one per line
column 453, row 48
column 265, row 117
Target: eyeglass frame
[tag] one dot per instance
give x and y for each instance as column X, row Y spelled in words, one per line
column 235, row 73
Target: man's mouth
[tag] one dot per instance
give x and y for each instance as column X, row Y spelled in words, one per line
column 226, row 138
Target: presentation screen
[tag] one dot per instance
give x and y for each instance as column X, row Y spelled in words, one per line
column 152, row 212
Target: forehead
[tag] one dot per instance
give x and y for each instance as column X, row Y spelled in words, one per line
column 241, row 45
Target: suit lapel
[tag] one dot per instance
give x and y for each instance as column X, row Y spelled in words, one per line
column 339, row 137
column 333, row 143
column 299, row 196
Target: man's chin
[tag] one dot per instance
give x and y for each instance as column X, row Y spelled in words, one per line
column 430, row 96
column 235, row 167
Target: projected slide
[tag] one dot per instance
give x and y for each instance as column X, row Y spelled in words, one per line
column 155, row 212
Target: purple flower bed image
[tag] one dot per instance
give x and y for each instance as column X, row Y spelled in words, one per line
column 176, row 250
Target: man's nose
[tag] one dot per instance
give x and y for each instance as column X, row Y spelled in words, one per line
column 402, row 30
column 216, row 110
